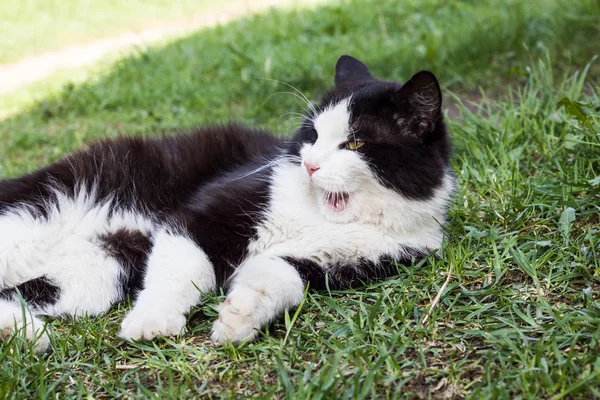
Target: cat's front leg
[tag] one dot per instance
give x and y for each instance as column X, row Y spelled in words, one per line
column 262, row 288
column 178, row 272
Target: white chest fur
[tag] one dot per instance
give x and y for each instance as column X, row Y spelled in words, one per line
column 294, row 225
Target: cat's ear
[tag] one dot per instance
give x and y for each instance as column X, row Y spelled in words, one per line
column 423, row 97
column 349, row 69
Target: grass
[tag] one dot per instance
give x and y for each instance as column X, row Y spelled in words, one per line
column 520, row 317
column 29, row 26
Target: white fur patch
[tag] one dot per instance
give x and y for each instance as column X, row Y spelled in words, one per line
column 333, row 124
column 177, row 274
column 64, row 247
column 262, row 289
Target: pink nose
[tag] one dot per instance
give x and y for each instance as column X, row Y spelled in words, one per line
column 310, row 168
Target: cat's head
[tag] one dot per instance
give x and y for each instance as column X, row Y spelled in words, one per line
column 369, row 138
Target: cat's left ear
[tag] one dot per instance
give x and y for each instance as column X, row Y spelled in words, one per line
column 349, row 69
column 423, row 97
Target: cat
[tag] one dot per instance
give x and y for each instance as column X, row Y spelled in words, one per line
column 363, row 184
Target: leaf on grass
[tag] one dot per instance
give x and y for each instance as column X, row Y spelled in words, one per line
column 515, row 154
column 595, row 181
column 475, row 233
column 571, row 141
column 525, row 264
column 575, row 110
column 566, row 221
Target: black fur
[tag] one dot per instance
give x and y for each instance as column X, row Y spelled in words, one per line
column 131, row 249
column 350, row 71
column 348, row 275
column 152, row 174
column 36, row 292
column 221, row 216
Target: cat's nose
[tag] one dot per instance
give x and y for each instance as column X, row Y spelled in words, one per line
column 311, row 168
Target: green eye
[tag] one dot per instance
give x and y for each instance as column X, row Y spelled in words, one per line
column 354, row 145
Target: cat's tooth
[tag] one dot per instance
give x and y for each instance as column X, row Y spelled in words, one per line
column 339, row 204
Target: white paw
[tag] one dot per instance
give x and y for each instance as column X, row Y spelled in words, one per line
column 146, row 323
column 31, row 328
column 237, row 317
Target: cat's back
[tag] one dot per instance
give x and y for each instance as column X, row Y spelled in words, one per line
column 155, row 173
column 200, row 152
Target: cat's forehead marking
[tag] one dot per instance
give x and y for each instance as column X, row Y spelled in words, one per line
column 334, row 122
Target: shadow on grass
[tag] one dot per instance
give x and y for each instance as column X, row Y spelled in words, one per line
column 225, row 73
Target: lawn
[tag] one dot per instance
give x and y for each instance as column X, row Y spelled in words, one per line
column 520, row 317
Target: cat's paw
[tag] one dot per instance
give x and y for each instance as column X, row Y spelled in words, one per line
column 147, row 323
column 33, row 328
column 237, row 316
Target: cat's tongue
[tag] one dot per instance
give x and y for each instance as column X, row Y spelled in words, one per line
column 338, row 201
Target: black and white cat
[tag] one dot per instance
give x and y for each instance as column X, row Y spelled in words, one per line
column 364, row 183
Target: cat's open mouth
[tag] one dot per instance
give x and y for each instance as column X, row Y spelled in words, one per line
column 337, row 201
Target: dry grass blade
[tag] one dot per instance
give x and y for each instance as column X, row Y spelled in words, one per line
column 439, row 295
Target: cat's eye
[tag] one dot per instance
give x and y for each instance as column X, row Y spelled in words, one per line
column 354, row 144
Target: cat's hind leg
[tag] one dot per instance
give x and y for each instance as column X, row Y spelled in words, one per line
column 14, row 316
column 79, row 285
column 17, row 316
column 23, row 252
column 262, row 288
column 64, row 263
column 178, row 272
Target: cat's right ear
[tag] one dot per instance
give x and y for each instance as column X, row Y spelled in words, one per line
column 349, row 69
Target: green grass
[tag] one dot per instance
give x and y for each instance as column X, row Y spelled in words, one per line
column 520, row 317
column 31, row 26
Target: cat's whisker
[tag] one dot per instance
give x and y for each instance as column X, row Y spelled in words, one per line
column 294, row 114
column 331, row 193
column 291, row 158
column 308, row 110
column 357, row 123
column 294, row 120
column 257, row 170
column 347, row 191
column 299, row 93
